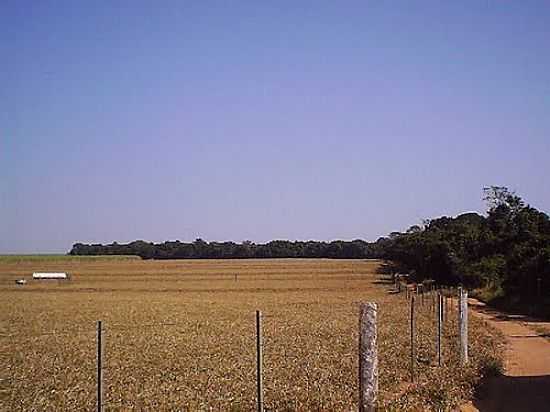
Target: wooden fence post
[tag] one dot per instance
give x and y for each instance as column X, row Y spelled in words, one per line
column 368, row 357
column 463, row 324
column 259, row 362
column 99, row 367
column 439, row 326
column 443, row 302
column 412, row 338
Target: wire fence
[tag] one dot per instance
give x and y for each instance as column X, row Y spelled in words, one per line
column 232, row 364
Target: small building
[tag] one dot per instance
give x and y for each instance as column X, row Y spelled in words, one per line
column 49, row 276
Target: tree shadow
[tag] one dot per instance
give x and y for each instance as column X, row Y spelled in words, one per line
column 383, row 281
column 499, row 315
column 513, row 393
column 535, row 308
column 387, row 268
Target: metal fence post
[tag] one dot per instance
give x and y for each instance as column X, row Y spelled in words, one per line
column 368, row 357
column 259, row 362
column 99, row 367
column 412, row 338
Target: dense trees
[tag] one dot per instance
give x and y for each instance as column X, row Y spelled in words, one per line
column 506, row 253
column 199, row 249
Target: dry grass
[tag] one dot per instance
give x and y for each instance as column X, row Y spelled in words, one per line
column 180, row 336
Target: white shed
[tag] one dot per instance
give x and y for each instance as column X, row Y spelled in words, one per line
column 47, row 276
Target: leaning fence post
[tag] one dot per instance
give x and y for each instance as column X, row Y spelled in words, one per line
column 463, row 322
column 259, row 361
column 99, row 368
column 368, row 357
column 412, row 338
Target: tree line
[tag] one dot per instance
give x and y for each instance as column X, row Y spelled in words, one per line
column 505, row 253
column 200, row 249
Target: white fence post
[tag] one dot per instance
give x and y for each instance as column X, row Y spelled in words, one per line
column 368, row 357
column 463, row 324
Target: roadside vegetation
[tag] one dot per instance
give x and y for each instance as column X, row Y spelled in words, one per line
column 504, row 256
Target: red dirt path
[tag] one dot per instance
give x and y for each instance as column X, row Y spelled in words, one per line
column 525, row 383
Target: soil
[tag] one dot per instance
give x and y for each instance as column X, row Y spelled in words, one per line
column 525, row 383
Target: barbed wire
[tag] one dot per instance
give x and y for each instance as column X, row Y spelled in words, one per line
column 51, row 333
column 120, row 327
column 332, row 307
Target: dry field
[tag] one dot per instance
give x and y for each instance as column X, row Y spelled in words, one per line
column 179, row 335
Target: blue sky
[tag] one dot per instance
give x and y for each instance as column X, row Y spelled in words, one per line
column 292, row 120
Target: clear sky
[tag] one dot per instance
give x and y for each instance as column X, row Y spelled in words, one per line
column 123, row 120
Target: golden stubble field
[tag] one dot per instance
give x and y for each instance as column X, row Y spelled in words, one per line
column 180, row 335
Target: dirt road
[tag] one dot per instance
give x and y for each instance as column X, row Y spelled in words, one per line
column 525, row 384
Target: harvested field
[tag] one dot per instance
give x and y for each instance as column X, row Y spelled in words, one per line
column 179, row 335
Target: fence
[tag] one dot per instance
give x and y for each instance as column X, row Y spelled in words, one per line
column 439, row 300
column 427, row 301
